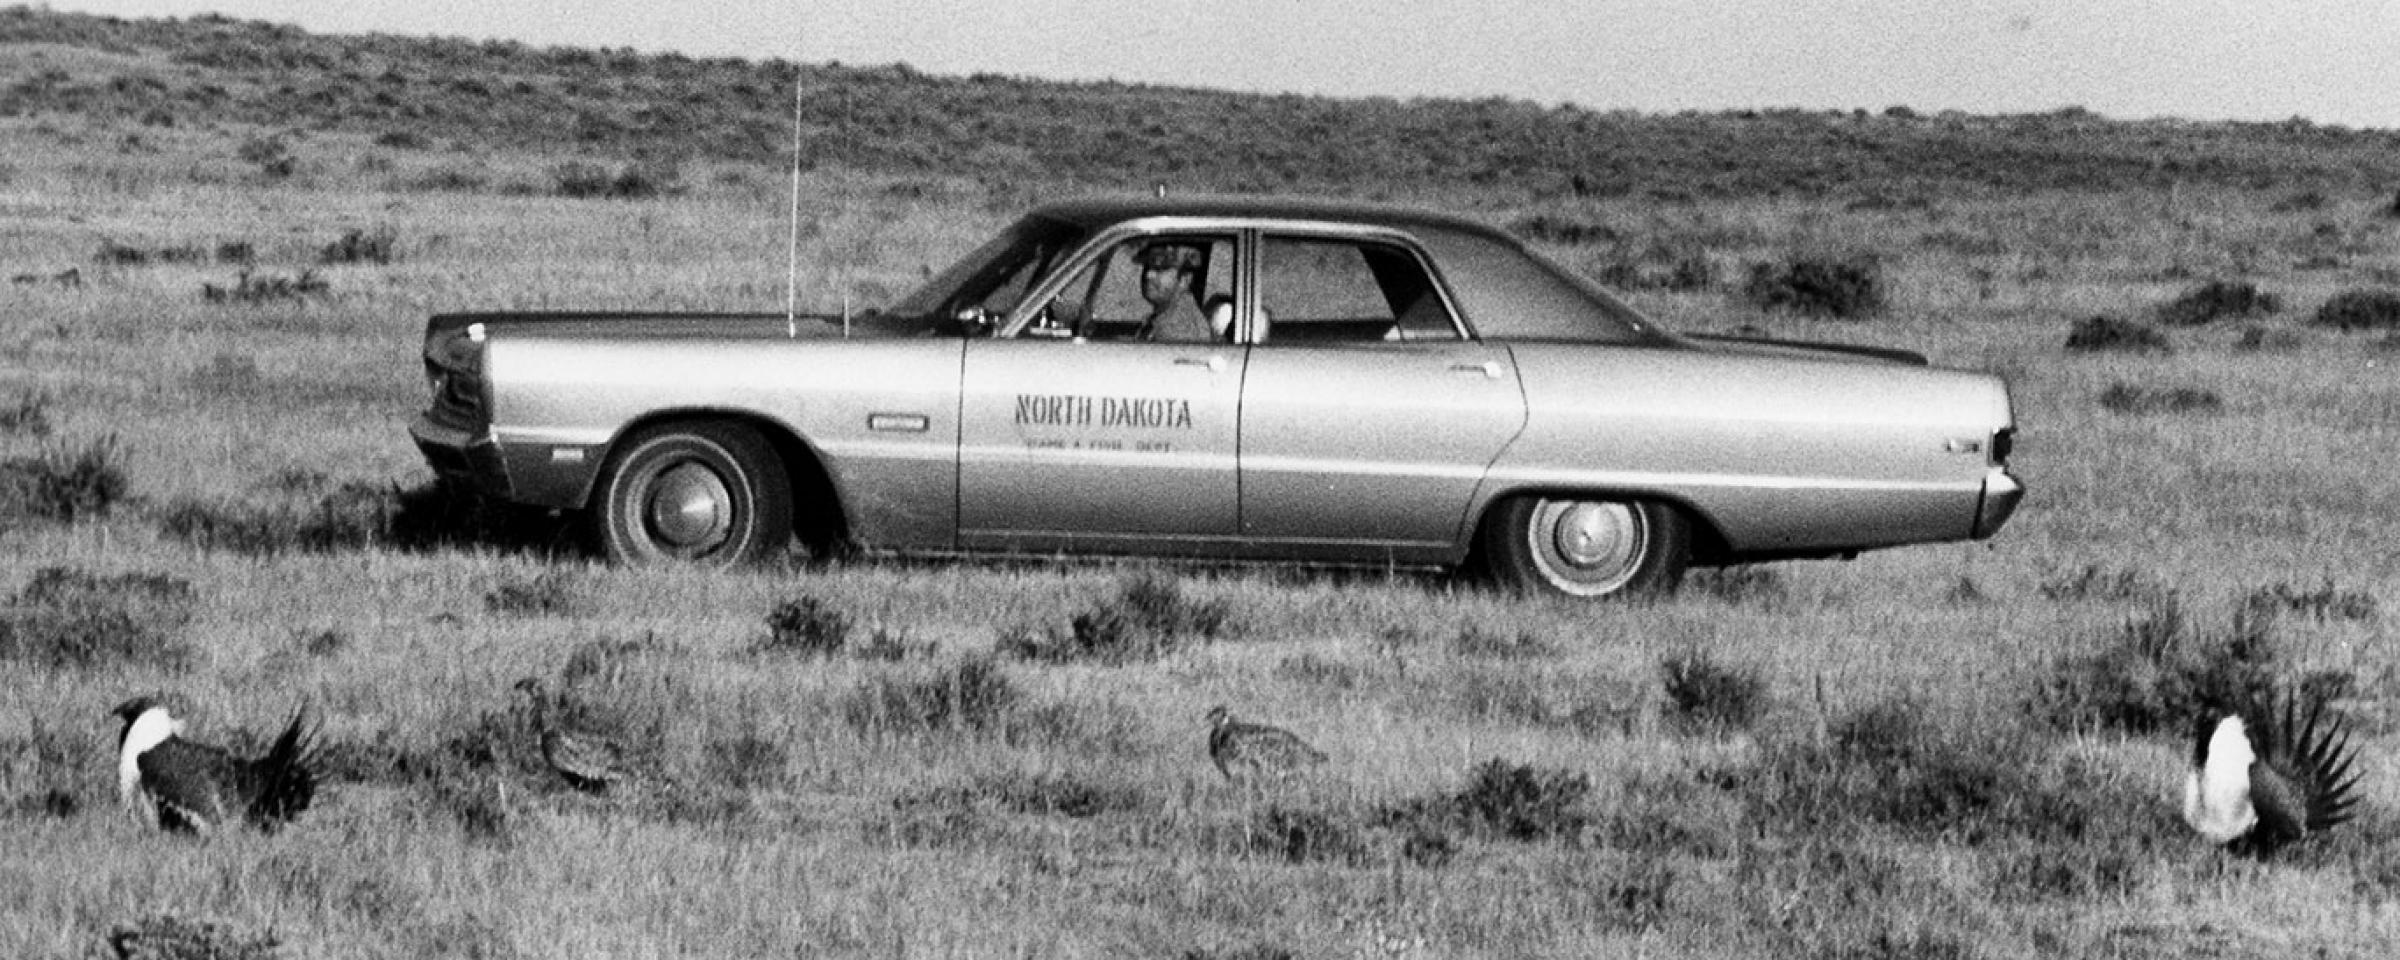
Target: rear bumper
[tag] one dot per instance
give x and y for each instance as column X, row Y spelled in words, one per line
column 462, row 456
column 537, row 468
column 2001, row 493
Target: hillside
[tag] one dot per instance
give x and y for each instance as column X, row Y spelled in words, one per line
column 450, row 94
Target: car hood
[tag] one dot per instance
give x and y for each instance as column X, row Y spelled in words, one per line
column 1804, row 349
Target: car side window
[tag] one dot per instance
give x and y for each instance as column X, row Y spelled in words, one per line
column 1320, row 290
column 1175, row 288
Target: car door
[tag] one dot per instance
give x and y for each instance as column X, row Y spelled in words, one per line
column 1077, row 434
column 1368, row 417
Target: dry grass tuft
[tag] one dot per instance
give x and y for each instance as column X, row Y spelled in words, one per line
column 68, row 617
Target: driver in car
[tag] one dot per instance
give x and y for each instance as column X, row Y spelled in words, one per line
column 1167, row 273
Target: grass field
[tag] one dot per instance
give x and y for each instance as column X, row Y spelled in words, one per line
column 1950, row 751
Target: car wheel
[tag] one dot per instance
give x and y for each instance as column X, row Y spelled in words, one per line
column 708, row 493
column 1587, row 548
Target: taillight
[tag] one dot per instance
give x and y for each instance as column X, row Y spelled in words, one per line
column 454, row 368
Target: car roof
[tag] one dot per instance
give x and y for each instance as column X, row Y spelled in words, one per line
column 1095, row 212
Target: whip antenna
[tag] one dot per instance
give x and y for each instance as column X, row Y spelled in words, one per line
column 791, row 278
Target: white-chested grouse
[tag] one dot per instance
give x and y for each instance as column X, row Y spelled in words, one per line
column 194, row 787
column 2270, row 775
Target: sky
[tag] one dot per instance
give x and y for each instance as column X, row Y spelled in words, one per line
column 2330, row 61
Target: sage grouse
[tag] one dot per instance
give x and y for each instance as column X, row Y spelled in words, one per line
column 2260, row 781
column 194, row 787
column 1249, row 751
column 586, row 761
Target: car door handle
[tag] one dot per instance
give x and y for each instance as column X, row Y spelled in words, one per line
column 1214, row 364
column 1489, row 370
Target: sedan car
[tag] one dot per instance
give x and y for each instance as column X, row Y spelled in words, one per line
column 1232, row 379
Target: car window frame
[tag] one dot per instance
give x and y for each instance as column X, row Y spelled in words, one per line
column 1249, row 235
column 1106, row 240
column 1264, row 232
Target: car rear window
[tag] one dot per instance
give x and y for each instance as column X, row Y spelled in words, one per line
column 1511, row 293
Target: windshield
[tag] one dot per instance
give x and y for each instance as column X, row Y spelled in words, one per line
column 996, row 275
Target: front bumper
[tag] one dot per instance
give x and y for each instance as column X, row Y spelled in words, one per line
column 2001, row 493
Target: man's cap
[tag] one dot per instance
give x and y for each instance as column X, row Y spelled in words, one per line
column 1179, row 255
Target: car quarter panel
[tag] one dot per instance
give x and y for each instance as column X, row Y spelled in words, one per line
column 881, row 414
column 1778, row 454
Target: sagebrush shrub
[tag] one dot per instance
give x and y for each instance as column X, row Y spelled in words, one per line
column 2157, row 671
column 2324, row 602
column 2216, row 300
column 377, row 246
column 271, row 155
column 2363, row 309
column 353, row 515
column 632, row 182
column 1476, row 641
column 2109, row 333
column 1149, row 618
column 167, row 936
column 1745, row 583
column 1156, row 602
column 550, row 593
column 2255, row 339
column 29, row 416
column 53, row 762
column 1520, row 802
column 806, row 626
column 2094, row 582
column 970, row 695
column 1843, row 289
column 1562, row 230
column 746, row 762
column 68, row 617
column 1305, row 835
column 1703, row 693
column 251, row 287
column 1043, row 794
column 1973, row 780
column 63, row 482
column 2137, row 399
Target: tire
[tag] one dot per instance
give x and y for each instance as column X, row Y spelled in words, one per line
column 706, row 493
column 1586, row 548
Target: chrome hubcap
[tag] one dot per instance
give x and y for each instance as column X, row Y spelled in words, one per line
column 690, row 508
column 1588, row 547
